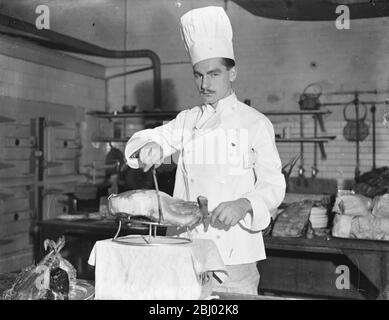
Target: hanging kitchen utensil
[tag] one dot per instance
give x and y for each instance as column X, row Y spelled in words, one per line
column 301, row 170
column 310, row 100
column 314, row 169
column 373, row 111
column 385, row 119
column 287, row 168
column 356, row 129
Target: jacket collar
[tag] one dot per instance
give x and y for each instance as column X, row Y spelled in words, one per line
column 226, row 104
column 224, row 107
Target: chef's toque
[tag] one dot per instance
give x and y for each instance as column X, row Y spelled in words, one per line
column 207, row 33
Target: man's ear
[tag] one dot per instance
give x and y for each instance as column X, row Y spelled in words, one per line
column 233, row 73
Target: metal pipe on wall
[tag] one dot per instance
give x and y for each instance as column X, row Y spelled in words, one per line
column 66, row 43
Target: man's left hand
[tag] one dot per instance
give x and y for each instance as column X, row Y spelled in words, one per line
column 229, row 213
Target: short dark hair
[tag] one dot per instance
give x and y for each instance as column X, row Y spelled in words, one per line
column 228, row 63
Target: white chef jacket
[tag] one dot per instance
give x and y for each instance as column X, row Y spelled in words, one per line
column 225, row 154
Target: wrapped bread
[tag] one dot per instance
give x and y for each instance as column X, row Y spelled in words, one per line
column 370, row 227
column 381, row 206
column 367, row 227
column 341, row 227
column 351, row 204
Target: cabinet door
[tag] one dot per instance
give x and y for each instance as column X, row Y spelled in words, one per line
column 16, row 197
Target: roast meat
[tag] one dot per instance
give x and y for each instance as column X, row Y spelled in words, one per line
column 142, row 202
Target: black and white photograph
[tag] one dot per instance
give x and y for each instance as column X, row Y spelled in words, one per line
column 207, row 151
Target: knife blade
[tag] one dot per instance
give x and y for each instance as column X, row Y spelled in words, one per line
column 160, row 215
column 203, row 205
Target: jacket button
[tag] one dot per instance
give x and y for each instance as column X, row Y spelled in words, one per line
column 192, row 180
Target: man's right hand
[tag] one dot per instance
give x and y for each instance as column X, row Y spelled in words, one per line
column 150, row 154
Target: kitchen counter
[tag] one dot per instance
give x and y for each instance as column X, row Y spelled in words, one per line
column 294, row 266
column 326, row 244
column 314, row 267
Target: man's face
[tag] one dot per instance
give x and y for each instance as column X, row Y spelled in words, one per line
column 213, row 80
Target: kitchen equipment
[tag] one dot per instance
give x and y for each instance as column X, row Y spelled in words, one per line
column 291, row 163
column 158, row 197
column 301, row 170
column 386, row 113
column 354, row 132
column 356, row 129
column 310, row 100
column 373, row 111
column 203, row 204
column 144, row 240
column 152, row 238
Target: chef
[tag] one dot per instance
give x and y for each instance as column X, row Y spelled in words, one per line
column 227, row 153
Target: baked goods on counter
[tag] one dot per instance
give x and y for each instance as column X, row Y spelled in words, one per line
column 361, row 217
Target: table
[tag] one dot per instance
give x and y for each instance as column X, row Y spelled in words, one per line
column 296, row 267
column 301, row 266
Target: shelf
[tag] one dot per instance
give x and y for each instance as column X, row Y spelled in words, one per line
column 172, row 114
column 297, row 112
column 108, row 115
column 281, row 140
column 107, row 139
column 307, row 139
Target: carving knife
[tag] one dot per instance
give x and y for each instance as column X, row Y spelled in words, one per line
column 154, row 172
column 203, row 205
column 160, row 215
